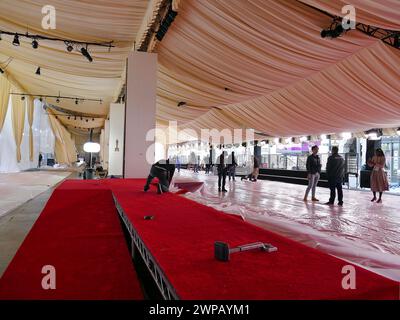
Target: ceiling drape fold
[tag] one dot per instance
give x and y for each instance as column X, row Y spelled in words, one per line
column 4, row 99
column 30, row 112
column 18, row 121
column 64, row 148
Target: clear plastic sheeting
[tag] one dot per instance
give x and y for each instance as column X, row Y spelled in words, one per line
column 362, row 232
column 43, row 141
column 18, row 187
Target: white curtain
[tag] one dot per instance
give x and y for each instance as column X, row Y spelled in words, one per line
column 43, row 140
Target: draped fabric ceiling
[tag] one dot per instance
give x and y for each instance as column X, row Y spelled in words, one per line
column 71, row 74
column 236, row 63
column 282, row 78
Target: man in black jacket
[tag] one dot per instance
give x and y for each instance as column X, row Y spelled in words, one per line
column 164, row 171
column 232, row 166
column 222, row 170
column 335, row 171
column 313, row 172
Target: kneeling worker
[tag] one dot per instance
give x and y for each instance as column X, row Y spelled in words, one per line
column 164, row 171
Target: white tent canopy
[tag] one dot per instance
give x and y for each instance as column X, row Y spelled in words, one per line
column 235, row 63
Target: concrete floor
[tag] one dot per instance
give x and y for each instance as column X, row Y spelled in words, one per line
column 16, row 224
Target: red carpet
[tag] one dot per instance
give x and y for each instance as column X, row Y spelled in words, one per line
column 78, row 233
column 181, row 239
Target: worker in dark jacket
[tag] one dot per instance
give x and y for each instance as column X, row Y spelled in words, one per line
column 232, row 164
column 335, row 172
column 313, row 173
column 164, row 171
column 222, row 170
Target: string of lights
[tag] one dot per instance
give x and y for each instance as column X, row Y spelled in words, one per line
column 80, row 46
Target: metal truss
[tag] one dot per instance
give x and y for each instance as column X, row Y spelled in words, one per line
column 390, row 37
column 158, row 275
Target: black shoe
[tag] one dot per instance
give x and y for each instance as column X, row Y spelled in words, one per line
column 146, row 188
column 329, row 203
column 159, row 189
column 224, row 190
column 340, row 204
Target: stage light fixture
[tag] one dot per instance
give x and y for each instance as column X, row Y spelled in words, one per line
column 16, row 41
column 398, row 131
column 181, row 104
column 91, row 147
column 58, row 100
column 165, row 24
column 76, row 101
column 334, row 31
column 35, row 44
column 23, row 98
column 38, row 71
column 396, row 40
column 1, row 70
column 86, row 54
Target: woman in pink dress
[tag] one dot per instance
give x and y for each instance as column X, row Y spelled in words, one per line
column 379, row 182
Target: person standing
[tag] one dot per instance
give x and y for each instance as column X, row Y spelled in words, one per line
column 313, row 166
column 335, row 172
column 379, row 181
column 255, row 172
column 221, row 166
column 207, row 164
column 178, row 163
column 40, row 160
column 232, row 166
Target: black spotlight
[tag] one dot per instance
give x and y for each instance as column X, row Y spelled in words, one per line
column 23, row 98
column 69, row 118
column 41, row 99
column 86, row 54
column 181, row 104
column 396, row 41
column 333, row 31
column 35, row 44
column 16, row 41
column 1, row 70
column 76, row 101
column 58, row 100
column 69, row 46
column 38, row 71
